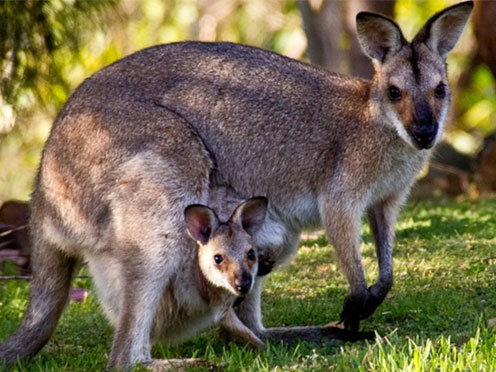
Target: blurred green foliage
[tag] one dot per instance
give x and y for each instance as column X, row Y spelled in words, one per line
column 478, row 102
column 37, row 39
column 85, row 35
column 65, row 41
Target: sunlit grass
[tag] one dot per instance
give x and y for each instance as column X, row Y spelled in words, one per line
column 435, row 318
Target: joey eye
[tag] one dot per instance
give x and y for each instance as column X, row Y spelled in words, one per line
column 218, row 259
column 394, row 93
column 251, row 255
column 440, row 91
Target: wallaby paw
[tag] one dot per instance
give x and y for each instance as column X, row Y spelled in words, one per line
column 180, row 365
column 352, row 307
column 358, row 307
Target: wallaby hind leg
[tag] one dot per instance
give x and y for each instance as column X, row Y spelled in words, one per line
column 52, row 272
column 146, row 272
column 150, row 247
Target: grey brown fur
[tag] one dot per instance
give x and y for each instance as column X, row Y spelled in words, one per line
column 152, row 133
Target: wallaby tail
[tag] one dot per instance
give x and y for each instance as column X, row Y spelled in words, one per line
column 314, row 334
column 52, row 273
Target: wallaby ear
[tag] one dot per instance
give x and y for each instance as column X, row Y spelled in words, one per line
column 442, row 31
column 250, row 214
column 378, row 36
column 201, row 221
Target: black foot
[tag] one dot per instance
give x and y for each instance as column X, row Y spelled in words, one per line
column 360, row 306
column 346, row 335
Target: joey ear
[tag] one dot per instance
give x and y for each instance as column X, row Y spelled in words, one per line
column 250, row 214
column 378, row 36
column 442, row 31
column 201, row 221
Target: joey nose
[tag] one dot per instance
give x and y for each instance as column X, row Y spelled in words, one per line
column 243, row 284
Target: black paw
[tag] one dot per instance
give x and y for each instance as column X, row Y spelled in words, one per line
column 358, row 307
column 352, row 308
column 372, row 303
column 333, row 332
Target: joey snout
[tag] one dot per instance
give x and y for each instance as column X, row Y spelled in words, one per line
column 242, row 282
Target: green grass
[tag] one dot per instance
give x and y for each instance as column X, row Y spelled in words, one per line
column 435, row 318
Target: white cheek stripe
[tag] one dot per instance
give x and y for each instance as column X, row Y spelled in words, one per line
column 400, row 128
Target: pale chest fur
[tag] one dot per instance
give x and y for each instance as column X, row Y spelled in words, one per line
column 396, row 174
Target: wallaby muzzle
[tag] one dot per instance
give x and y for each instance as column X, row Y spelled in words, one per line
column 424, row 136
column 425, row 127
column 243, row 284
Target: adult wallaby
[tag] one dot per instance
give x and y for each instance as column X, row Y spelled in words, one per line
column 148, row 135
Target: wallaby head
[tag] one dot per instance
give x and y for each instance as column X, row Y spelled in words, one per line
column 410, row 88
column 227, row 255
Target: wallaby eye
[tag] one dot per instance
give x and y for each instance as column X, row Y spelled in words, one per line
column 440, row 91
column 394, row 93
column 251, row 255
column 218, row 259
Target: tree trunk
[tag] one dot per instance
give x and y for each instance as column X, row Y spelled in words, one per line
column 483, row 21
column 360, row 64
column 330, row 29
column 324, row 29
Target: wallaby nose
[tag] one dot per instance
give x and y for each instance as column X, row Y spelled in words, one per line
column 424, row 135
column 243, row 284
column 425, row 127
